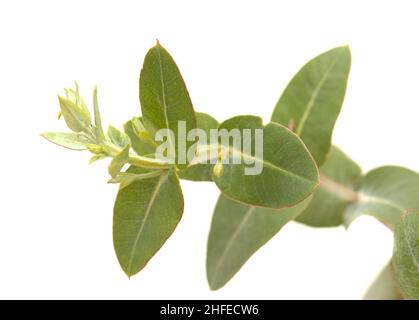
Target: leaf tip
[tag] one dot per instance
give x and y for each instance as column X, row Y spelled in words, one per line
column 214, row 286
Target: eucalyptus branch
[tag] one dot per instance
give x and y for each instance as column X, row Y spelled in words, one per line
column 337, row 189
column 300, row 175
column 136, row 160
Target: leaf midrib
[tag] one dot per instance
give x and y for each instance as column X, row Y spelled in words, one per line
column 313, row 98
column 365, row 198
column 229, row 245
column 74, row 115
column 146, row 215
column 163, row 91
column 271, row 165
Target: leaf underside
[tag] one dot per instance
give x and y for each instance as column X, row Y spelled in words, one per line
column 237, row 232
column 406, row 255
column 327, row 206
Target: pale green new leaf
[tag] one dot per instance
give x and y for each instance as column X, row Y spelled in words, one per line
column 145, row 215
column 97, row 157
column 312, row 100
column 201, row 172
column 140, row 146
column 386, row 193
column 385, row 286
column 100, row 135
column 117, row 137
column 126, row 178
column 406, row 255
column 70, row 140
column 289, row 173
column 119, row 161
column 164, row 98
column 339, row 179
column 237, row 232
column 75, row 111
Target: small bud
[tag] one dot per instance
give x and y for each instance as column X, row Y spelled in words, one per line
column 94, row 148
column 74, row 110
column 223, row 154
column 218, row 169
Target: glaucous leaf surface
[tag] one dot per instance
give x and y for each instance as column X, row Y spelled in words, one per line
column 386, row 193
column 289, row 173
column 140, row 147
column 201, row 172
column 75, row 113
column 312, row 100
column 100, row 135
column 146, row 213
column 339, row 175
column 406, row 255
column 117, row 137
column 70, row 140
column 237, row 232
column 385, row 286
column 164, row 98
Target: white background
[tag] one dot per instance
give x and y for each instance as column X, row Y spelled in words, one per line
column 236, row 57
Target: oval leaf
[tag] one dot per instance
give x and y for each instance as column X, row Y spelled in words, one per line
column 237, row 232
column 312, row 100
column 386, row 193
column 146, row 213
column 201, row 172
column 288, row 175
column 339, row 178
column 70, row 140
column 165, row 100
column 406, row 255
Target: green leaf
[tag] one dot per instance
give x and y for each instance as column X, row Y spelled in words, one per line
column 339, row 178
column 126, row 178
column 384, row 287
column 406, row 255
column 201, row 172
column 386, row 193
column 237, row 232
column 75, row 111
column 119, row 161
column 312, row 100
column 206, row 122
column 164, row 98
column 140, row 147
column 145, row 215
column 118, row 138
column 74, row 141
column 100, row 135
column 97, row 157
column 288, row 175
